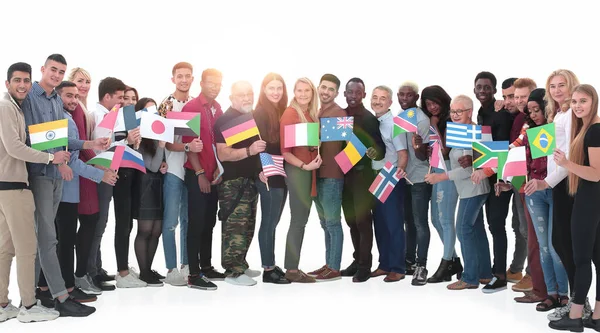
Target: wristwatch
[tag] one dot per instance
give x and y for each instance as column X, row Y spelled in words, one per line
column 50, row 158
column 186, row 147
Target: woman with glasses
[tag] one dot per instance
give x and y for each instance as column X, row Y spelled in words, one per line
column 469, row 220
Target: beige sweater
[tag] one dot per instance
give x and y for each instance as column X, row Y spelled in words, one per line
column 13, row 150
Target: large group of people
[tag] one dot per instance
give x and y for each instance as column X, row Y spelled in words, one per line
column 195, row 180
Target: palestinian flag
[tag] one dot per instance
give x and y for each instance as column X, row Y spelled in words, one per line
column 485, row 154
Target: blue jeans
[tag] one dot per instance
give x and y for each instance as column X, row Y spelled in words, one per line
column 389, row 231
column 271, row 207
column 540, row 206
column 473, row 240
column 329, row 208
column 444, row 198
column 416, row 204
column 176, row 210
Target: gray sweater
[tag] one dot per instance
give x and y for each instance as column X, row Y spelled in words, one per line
column 462, row 176
column 153, row 162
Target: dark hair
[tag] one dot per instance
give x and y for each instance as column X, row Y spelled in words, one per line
column 438, row 95
column 211, row 72
column 332, row 78
column 128, row 88
column 58, row 58
column 487, row 75
column 271, row 111
column 18, row 67
column 356, row 80
column 110, row 85
column 508, row 82
column 183, row 64
column 148, row 145
column 64, row 84
column 536, row 95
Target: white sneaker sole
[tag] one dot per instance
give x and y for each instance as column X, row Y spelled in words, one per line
column 491, row 291
column 36, row 319
column 201, row 288
column 236, row 283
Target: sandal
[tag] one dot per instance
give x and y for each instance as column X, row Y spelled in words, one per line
column 548, row 304
column 564, row 300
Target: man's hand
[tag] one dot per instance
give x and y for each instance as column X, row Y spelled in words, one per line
column 110, row 177
column 61, row 157
column 502, row 187
column 163, row 167
column 433, row 178
column 498, row 105
column 465, row 161
column 258, row 147
column 400, row 173
column 535, row 185
column 204, row 184
column 133, row 136
column 262, row 177
column 217, row 180
column 417, row 141
column 101, row 144
column 371, row 153
column 478, row 176
column 65, row 172
column 196, row 145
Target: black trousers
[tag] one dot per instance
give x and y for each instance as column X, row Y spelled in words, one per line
column 561, row 228
column 496, row 212
column 126, row 203
column 202, row 218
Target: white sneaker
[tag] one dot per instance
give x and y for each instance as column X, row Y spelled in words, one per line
column 242, row 280
column 129, row 281
column 8, row 312
column 37, row 313
column 252, row 273
column 185, row 272
column 134, row 271
column 175, row 278
column 86, row 285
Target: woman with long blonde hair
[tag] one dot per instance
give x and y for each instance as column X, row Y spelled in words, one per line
column 301, row 165
column 583, row 165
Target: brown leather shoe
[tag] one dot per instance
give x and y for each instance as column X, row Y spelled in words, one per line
column 529, row 297
column 299, row 277
column 394, row 277
column 379, row 272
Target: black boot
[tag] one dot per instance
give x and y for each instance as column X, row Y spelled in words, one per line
column 457, row 268
column 350, row 270
column 443, row 272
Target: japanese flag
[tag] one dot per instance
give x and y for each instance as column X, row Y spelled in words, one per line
column 153, row 126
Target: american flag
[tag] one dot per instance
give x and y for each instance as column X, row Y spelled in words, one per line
column 433, row 136
column 345, row 122
column 272, row 165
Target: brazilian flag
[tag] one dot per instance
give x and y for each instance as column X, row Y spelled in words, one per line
column 485, row 153
column 542, row 140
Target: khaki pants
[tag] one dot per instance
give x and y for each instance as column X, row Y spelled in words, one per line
column 17, row 238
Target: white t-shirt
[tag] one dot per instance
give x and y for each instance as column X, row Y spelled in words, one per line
column 175, row 159
column 562, row 132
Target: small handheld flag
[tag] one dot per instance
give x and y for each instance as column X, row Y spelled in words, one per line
column 336, row 129
column 437, row 158
column 48, row 135
column 155, row 127
column 239, row 129
column 462, row 135
column 302, row 134
column 433, row 135
column 182, row 120
column 485, row 154
column 405, row 122
column 272, row 165
column 110, row 159
column 542, row 140
column 385, row 182
column 353, row 152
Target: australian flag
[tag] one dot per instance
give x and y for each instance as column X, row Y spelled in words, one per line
column 336, row 129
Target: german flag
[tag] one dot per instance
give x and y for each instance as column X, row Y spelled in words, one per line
column 239, row 129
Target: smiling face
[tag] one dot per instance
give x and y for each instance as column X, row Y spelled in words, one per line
column 183, row 79
column 521, row 97
column 535, row 113
column 380, row 101
column 355, row 93
column 129, row 98
column 434, row 108
column 460, row 113
column 581, row 105
column 70, row 98
column 242, row 97
column 274, row 91
column 19, row 85
column 509, row 99
column 211, row 87
column 328, row 91
column 109, row 101
column 303, row 94
column 407, row 98
column 484, row 91
column 52, row 74
column 559, row 91
column 83, row 84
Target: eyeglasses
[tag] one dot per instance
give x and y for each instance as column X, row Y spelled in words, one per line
column 458, row 112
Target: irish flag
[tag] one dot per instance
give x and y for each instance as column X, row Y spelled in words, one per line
column 110, row 159
column 49, row 135
column 302, row 134
column 516, row 163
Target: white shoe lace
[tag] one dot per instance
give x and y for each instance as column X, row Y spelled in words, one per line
column 205, row 279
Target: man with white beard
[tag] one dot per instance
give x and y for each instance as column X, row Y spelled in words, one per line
column 238, row 195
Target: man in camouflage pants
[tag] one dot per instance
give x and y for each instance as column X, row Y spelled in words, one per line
column 238, row 195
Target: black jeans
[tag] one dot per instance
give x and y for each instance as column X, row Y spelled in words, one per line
column 416, row 205
column 202, row 217
column 496, row 211
column 126, row 199
column 561, row 228
column 85, row 238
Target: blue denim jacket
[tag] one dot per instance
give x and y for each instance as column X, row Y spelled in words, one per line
column 40, row 108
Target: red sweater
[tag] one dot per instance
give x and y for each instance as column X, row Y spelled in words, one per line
column 88, row 190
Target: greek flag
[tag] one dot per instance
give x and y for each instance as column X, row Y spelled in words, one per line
column 462, row 135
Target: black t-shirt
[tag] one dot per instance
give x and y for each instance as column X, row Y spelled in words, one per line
column 248, row 167
column 273, row 148
column 591, row 139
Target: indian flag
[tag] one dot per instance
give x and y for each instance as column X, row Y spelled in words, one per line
column 302, row 134
column 49, row 135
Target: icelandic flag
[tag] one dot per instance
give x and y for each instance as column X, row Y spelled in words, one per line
column 462, row 135
column 385, row 182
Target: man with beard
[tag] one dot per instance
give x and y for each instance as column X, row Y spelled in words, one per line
column 238, row 195
column 357, row 201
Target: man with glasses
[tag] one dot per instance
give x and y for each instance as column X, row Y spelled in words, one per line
column 201, row 179
column 238, row 195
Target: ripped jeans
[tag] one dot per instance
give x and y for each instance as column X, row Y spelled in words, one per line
column 444, row 198
column 540, row 205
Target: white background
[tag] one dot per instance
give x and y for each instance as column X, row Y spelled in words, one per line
column 382, row 42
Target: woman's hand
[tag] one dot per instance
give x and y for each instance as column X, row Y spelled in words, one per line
column 560, row 158
column 535, row 185
column 314, row 164
column 433, row 178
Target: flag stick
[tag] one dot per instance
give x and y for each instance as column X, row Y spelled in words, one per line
column 267, row 183
column 67, row 149
column 408, row 181
column 429, row 169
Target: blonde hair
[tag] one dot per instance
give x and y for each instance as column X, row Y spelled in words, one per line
column 525, row 82
column 313, row 105
column 552, row 106
column 410, row 84
column 77, row 70
column 464, row 100
column 579, row 129
column 89, row 118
